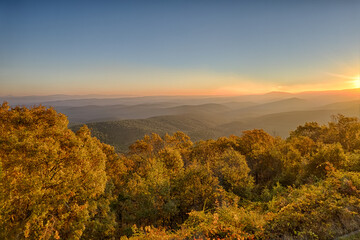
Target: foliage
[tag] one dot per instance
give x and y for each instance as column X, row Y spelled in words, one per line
column 57, row 184
column 226, row 222
column 51, row 177
column 322, row 211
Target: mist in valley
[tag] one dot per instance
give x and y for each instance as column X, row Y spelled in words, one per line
column 120, row 121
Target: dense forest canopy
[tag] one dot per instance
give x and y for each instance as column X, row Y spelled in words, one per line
column 57, row 184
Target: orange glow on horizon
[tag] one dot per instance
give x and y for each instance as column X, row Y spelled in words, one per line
column 221, row 92
column 194, row 83
column 230, row 90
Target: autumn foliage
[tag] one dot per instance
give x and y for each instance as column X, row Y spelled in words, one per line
column 57, row 184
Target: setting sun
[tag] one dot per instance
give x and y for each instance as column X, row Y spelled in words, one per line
column 356, row 81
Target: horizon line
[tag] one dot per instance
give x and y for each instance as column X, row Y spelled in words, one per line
column 171, row 95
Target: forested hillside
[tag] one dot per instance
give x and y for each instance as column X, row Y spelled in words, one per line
column 57, row 184
column 120, row 121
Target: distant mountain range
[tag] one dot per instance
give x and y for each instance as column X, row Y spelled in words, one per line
column 119, row 121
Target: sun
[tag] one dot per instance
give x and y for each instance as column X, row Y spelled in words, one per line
column 351, row 81
column 356, row 81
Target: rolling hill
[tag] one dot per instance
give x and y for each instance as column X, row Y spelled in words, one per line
column 119, row 121
column 121, row 134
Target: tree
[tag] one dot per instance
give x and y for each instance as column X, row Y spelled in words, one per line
column 172, row 161
column 195, row 190
column 329, row 156
column 51, row 176
column 233, row 173
column 310, row 129
column 148, row 147
column 256, row 140
column 344, row 130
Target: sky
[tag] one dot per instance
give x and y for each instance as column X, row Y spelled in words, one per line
column 178, row 47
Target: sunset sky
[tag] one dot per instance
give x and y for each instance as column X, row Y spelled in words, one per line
column 178, row 47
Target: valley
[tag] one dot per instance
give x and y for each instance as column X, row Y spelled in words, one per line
column 119, row 121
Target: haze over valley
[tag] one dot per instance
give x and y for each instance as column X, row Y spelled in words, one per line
column 120, row 121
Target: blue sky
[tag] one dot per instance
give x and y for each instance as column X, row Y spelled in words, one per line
column 177, row 47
